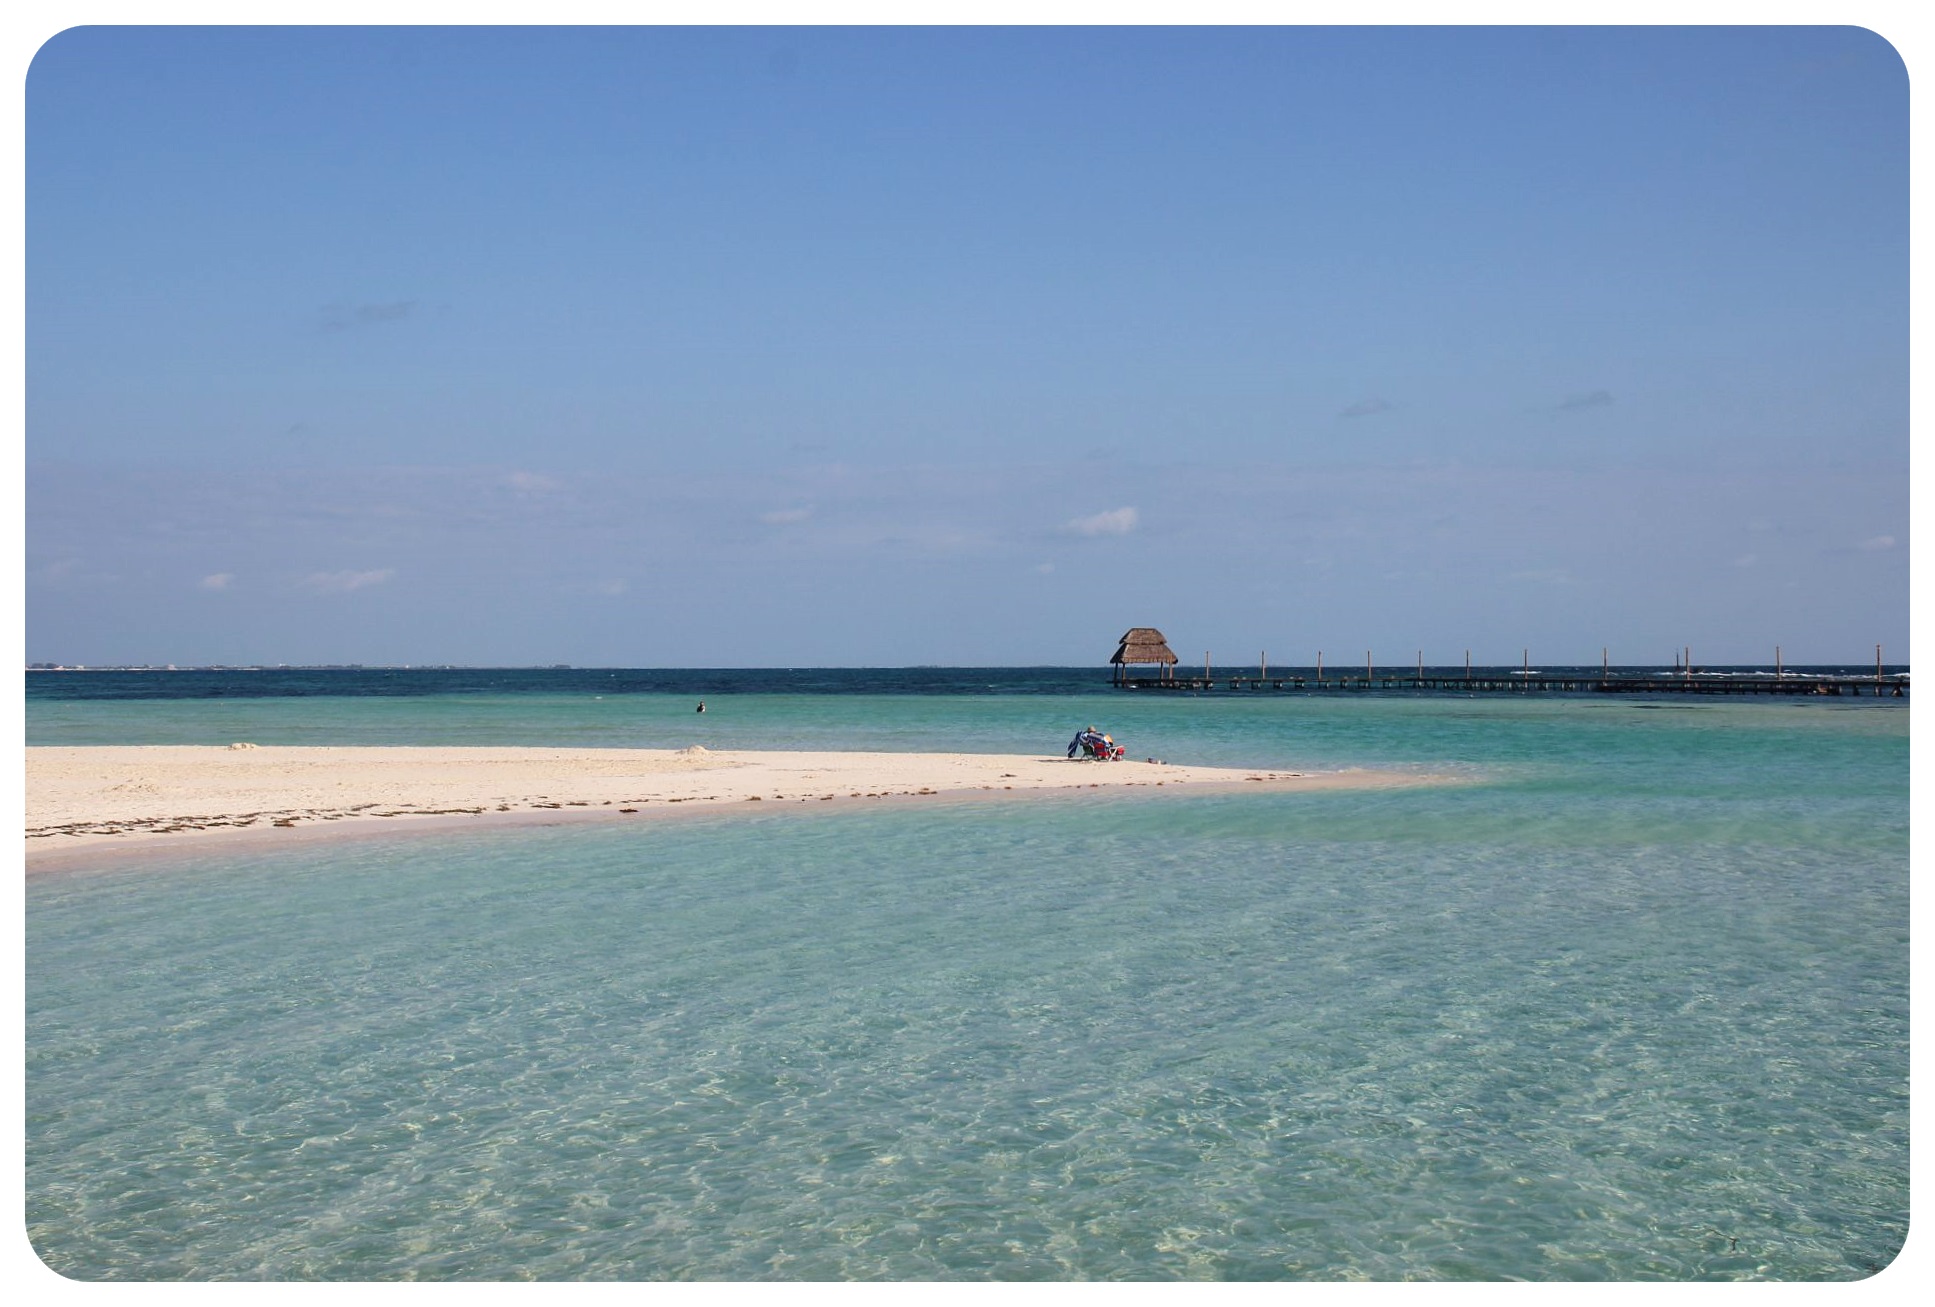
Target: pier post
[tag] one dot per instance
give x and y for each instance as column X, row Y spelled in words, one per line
column 1877, row 669
column 1368, row 674
column 1467, row 664
column 1778, row 672
column 1320, row 667
column 1605, row 663
column 1420, row 667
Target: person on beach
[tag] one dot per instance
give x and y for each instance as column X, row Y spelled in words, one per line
column 701, row 707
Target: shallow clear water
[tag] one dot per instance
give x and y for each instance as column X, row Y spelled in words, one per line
column 1631, row 1004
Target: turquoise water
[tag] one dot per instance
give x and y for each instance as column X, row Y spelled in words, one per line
column 1629, row 1003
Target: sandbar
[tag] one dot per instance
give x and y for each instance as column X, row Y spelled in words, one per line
column 154, row 794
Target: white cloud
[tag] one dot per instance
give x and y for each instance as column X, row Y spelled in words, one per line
column 1115, row 522
column 1874, row 544
column 343, row 582
column 1544, row 576
column 1746, row 560
column 1044, row 568
column 785, row 516
column 529, row 482
column 218, row 581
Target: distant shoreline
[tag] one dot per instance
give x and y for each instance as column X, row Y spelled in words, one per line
column 1236, row 668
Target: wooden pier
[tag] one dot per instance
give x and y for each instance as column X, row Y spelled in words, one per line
column 1565, row 681
column 1144, row 646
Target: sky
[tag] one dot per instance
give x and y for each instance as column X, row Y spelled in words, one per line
column 874, row 347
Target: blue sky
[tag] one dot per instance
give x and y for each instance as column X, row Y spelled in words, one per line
column 660, row 347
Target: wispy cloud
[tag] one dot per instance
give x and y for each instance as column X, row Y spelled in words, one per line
column 1115, row 522
column 1543, row 576
column 1870, row 545
column 609, row 588
column 530, row 482
column 71, row 572
column 785, row 516
column 349, row 317
column 344, row 582
column 1594, row 399
column 1365, row 407
column 217, row 581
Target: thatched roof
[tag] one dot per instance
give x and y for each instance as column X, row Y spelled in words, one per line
column 1143, row 644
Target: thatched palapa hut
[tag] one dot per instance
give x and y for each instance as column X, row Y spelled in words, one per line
column 1145, row 645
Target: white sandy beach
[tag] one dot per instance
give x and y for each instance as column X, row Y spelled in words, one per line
column 153, row 795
